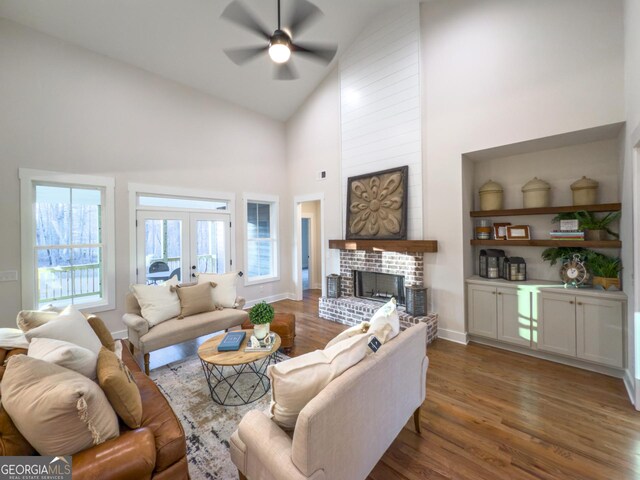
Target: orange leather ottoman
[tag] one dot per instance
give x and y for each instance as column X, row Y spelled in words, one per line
column 284, row 324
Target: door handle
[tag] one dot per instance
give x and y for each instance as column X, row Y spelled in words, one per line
column 193, row 267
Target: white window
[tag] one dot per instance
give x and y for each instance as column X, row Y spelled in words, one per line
column 67, row 240
column 261, row 233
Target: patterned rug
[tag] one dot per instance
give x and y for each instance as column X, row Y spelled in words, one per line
column 207, row 425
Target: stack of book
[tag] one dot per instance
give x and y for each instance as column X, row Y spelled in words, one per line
column 559, row 235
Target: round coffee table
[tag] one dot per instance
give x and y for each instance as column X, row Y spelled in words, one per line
column 223, row 370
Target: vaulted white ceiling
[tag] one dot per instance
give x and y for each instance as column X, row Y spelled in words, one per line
column 182, row 40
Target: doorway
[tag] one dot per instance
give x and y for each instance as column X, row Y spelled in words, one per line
column 180, row 244
column 308, row 255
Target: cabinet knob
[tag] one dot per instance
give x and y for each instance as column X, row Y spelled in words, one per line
column 499, row 293
column 571, row 302
column 579, row 303
column 493, row 293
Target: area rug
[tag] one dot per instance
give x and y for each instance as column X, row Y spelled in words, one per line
column 207, row 425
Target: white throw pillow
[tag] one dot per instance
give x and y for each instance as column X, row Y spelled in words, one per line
column 70, row 326
column 13, row 338
column 157, row 302
column 225, row 292
column 386, row 315
column 348, row 333
column 59, row 412
column 295, row 382
column 65, row 354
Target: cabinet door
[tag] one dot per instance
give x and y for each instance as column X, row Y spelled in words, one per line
column 514, row 316
column 557, row 324
column 482, row 311
column 599, row 330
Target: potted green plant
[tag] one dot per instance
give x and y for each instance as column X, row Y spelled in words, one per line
column 261, row 316
column 595, row 228
column 605, row 270
column 556, row 254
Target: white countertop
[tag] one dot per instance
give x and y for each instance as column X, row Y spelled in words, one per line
column 548, row 286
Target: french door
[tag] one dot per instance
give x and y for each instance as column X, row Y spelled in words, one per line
column 181, row 244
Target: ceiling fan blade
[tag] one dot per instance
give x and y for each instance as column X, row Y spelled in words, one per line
column 285, row 71
column 240, row 56
column 237, row 13
column 304, row 13
column 319, row 52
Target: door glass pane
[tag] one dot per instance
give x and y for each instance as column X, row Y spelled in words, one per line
column 210, row 246
column 163, row 249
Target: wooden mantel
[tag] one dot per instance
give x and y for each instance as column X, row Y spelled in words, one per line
column 401, row 246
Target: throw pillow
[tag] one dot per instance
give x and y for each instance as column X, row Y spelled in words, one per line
column 102, row 332
column 28, row 319
column 295, row 382
column 12, row 443
column 70, row 326
column 117, row 382
column 225, row 293
column 348, row 333
column 59, row 412
column 387, row 314
column 158, row 303
column 195, row 299
column 12, row 338
column 65, row 354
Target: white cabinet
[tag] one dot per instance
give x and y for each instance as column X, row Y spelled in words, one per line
column 599, row 331
column 482, row 311
column 502, row 313
column 514, row 316
column 586, row 327
column 557, row 324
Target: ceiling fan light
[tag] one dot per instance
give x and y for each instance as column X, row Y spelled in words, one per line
column 279, row 52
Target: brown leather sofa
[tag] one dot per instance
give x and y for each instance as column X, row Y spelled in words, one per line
column 156, row 450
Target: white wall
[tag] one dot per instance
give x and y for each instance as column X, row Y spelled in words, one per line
column 66, row 109
column 631, row 184
column 313, row 145
column 381, row 109
column 498, row 72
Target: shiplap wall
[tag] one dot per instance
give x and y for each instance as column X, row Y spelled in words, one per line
column 380, row 104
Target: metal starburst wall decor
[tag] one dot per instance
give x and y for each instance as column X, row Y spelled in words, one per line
column 377, row 205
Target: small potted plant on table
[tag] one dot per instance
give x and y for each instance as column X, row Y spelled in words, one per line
column 261, row 316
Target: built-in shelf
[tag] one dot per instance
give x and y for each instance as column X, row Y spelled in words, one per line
column 601, row 207
column 549, row 243
column 401, row 246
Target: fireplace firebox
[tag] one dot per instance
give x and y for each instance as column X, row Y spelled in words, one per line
column 378, row 286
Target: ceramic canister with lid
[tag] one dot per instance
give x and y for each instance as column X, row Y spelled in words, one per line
column 491, row 196
column 535, row 193
column 585, row 191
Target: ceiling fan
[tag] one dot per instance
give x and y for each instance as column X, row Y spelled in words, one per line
column 278, row 44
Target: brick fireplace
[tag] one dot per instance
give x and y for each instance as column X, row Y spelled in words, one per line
column 350, row 310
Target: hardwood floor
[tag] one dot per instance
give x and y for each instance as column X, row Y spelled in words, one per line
column 492, row 414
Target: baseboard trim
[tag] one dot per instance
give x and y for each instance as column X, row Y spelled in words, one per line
column 270, row 299
column 119, row 335
column 610, row 371
column 630, row 385
column 453, row 336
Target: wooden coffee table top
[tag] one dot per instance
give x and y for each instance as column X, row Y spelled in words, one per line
column 208, row 351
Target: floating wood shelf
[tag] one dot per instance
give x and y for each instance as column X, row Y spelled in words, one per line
column 601, row 207
column 401, row 246
column 549, row 243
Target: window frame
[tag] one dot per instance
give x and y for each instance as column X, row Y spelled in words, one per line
column 274, row 217
column 28, row 180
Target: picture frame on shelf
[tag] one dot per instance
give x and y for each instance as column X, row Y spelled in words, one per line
column 518, row 232
column 500, row 231
column 570, row 225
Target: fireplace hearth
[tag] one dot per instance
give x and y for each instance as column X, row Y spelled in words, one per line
column 380, row 287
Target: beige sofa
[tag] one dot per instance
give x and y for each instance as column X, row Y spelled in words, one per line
column 146, row 339
column 344, row 431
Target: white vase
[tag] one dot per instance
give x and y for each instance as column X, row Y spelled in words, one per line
column 261, row 331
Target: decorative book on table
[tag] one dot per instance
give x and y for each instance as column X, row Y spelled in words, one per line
column 231, row 342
